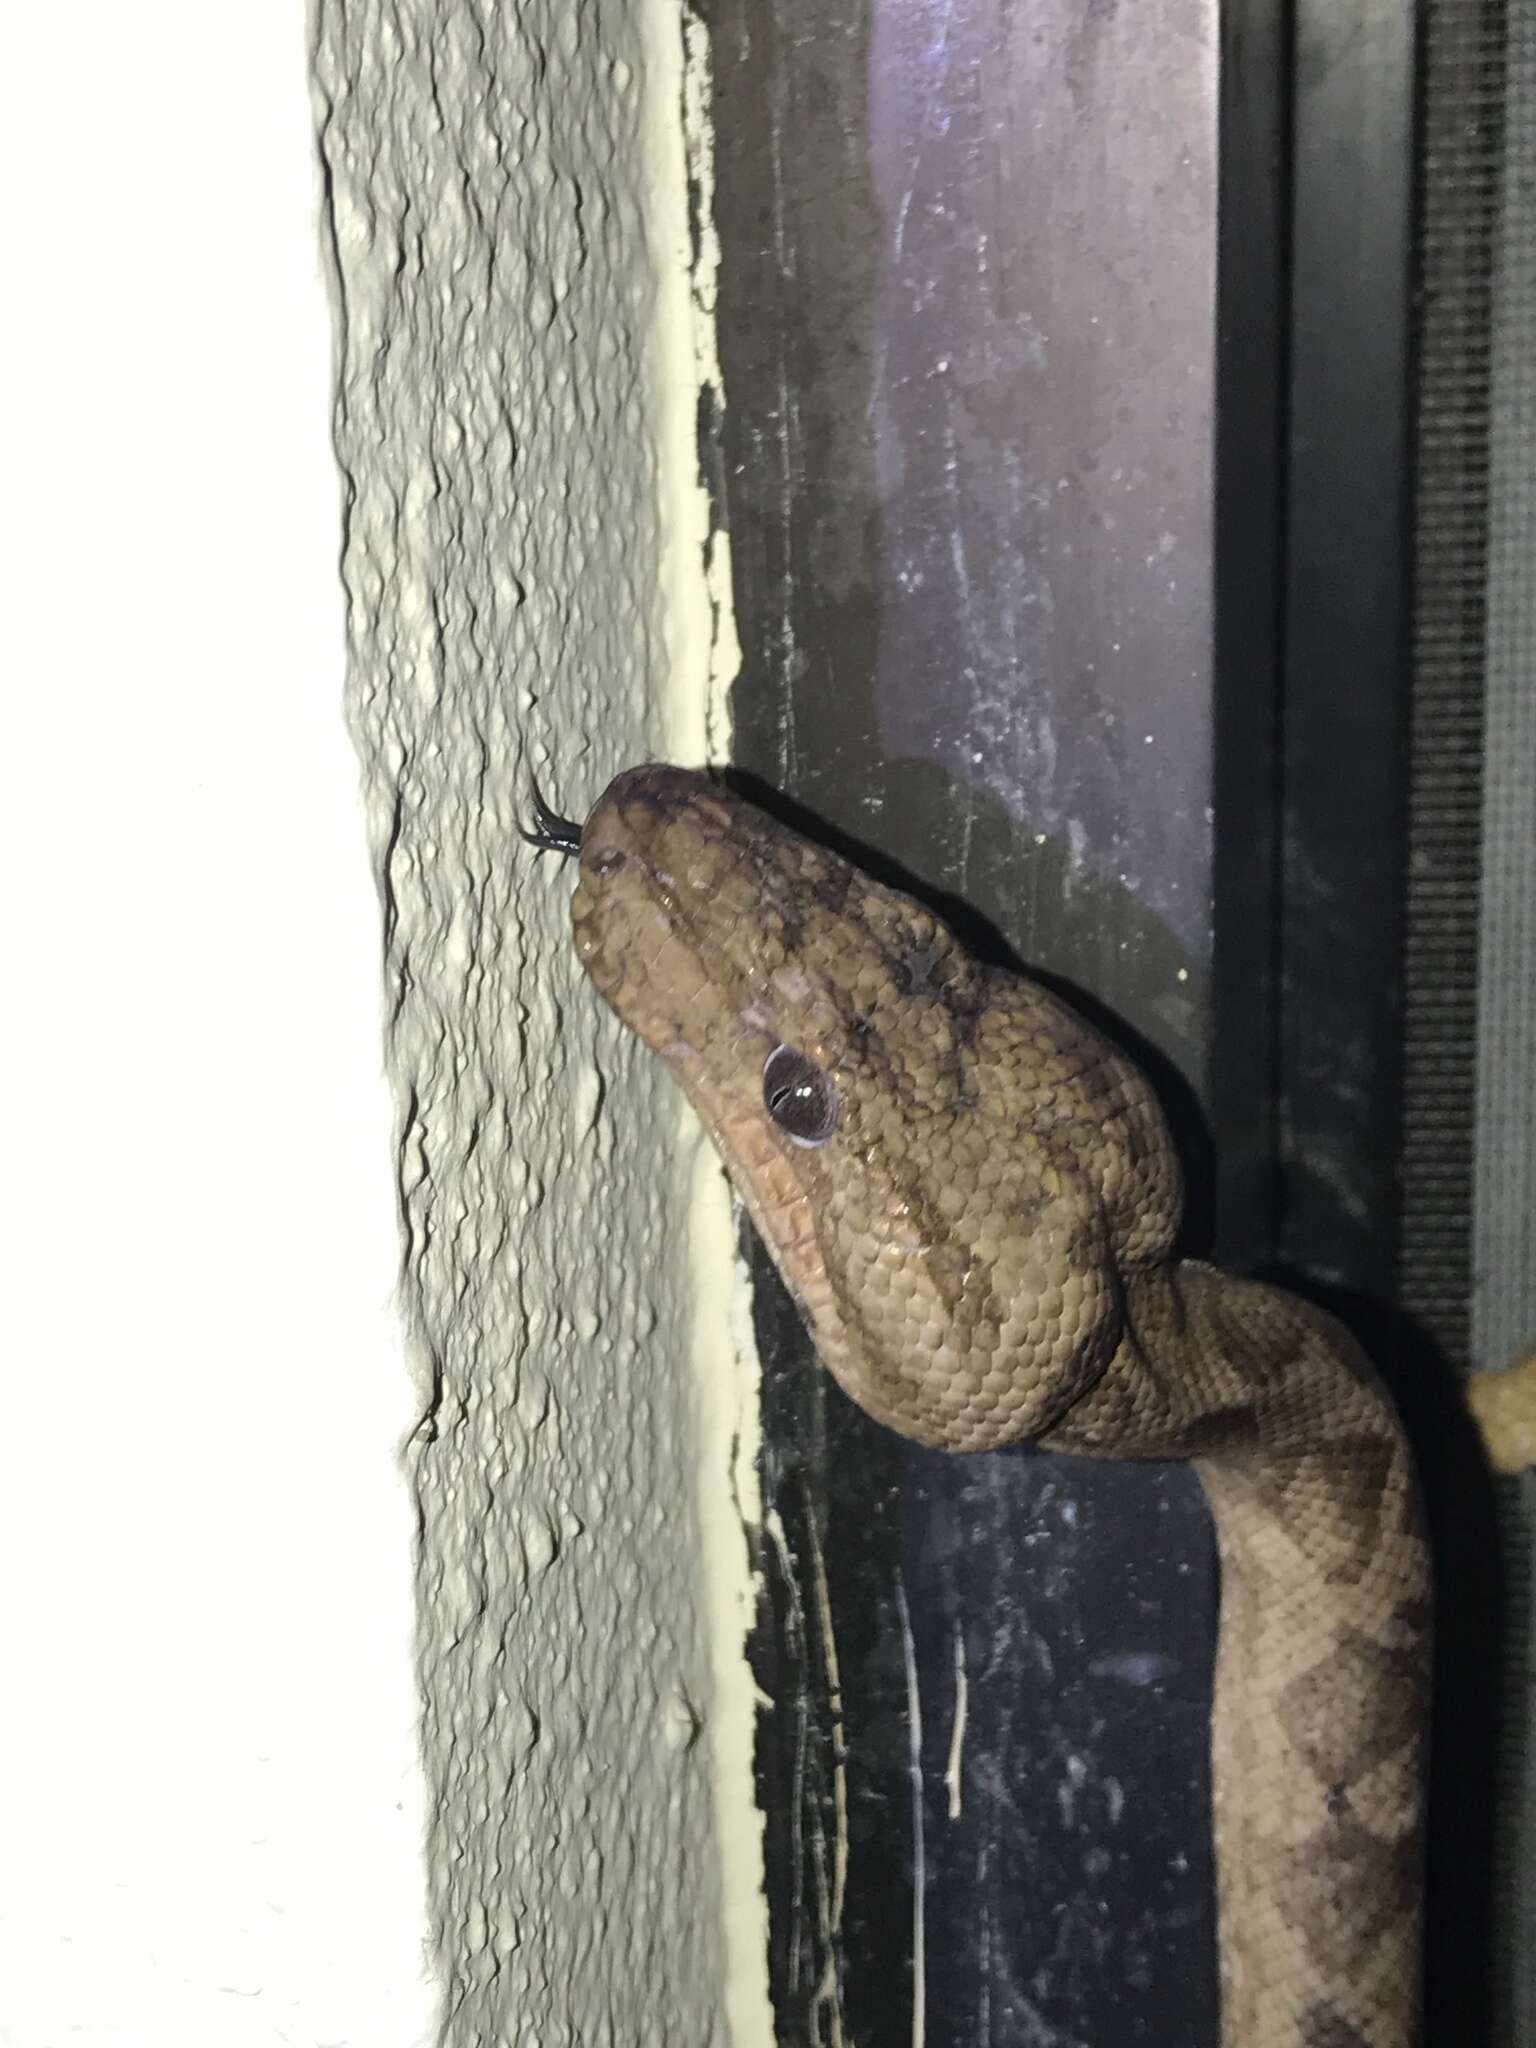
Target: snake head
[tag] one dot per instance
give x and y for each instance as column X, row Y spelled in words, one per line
column 944, row 1162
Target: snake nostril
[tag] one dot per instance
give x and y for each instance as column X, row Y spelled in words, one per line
column 607, row 862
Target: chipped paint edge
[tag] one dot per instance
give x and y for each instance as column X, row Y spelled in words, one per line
column 704, row 651
column 703, row 656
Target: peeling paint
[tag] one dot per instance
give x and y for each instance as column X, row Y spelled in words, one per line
column 919, row 1845
column 953, row 1776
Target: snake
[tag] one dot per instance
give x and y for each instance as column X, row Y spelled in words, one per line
column 973, row 1198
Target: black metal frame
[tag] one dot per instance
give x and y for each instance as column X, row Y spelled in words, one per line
column 1254, row 228
column 1313, row 489
column 1345, row 640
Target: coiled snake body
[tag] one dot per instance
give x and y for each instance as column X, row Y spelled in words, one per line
column 973, row 1198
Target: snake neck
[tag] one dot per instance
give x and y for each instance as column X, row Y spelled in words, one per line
column 1232, row 1371
column 1319, row 1712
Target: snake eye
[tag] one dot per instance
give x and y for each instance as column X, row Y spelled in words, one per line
column 799, row 1096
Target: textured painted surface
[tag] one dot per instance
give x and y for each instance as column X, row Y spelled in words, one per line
column 506, row 428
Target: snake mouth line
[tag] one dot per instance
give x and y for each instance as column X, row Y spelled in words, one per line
column 656, row 855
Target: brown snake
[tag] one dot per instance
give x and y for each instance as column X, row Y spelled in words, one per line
column 973, row 1199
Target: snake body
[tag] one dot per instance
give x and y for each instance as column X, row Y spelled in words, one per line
column 973, row 1198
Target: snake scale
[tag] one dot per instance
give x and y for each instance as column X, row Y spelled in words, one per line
column 973, row 1198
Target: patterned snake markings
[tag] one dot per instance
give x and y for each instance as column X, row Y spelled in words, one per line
column 973, row 1198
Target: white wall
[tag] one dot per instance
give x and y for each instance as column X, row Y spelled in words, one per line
column 209, row 1808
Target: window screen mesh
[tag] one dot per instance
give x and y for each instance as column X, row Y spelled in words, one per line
column 1469, row 1153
